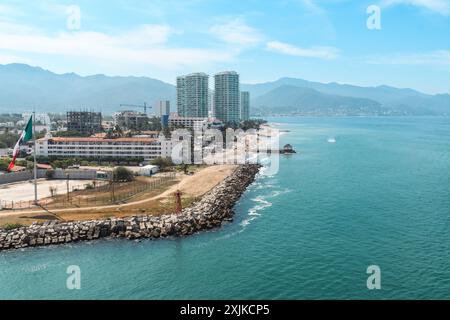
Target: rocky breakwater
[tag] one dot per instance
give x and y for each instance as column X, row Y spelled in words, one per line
column 214, row 208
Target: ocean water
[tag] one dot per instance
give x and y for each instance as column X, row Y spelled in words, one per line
column 379, row 195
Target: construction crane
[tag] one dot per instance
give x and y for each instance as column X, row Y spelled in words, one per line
column 136, row 106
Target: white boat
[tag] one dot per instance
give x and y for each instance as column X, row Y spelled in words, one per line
column 331, row 140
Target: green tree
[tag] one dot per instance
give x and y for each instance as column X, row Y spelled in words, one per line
column 9, row 139
column 162, row 162
column 122, row 174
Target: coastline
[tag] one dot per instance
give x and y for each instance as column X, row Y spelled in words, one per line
column 215, row 207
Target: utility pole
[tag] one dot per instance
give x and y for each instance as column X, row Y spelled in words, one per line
column 67, row 184
column 112, row 186
column 34, row 158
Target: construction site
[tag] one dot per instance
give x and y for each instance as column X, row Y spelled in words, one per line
column 162, row 193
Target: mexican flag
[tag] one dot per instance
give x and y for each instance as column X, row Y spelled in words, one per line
column 25, row 136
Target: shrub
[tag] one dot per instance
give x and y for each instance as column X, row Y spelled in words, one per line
column 122, row 174
column 11, row 226
column 162, row 163
column 49, row 173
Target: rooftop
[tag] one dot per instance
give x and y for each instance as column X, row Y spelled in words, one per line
column 97, row 139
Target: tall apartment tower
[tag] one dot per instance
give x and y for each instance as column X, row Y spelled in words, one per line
column 245, row 105
column 162, row 108
column 192, row 95
column 226, row 97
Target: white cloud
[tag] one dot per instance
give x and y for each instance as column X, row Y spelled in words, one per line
column 5, row 59
column 314, row 52
column 433, row 58
column 8, row 10
column 145, row 46
column 312, row 6
column 236, row 31
column 439, row 6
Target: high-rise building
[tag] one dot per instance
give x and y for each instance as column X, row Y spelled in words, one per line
column 192, row 95
column 245, row 105
column 226, row 97
column 162, row 108
column 84, row 122
column 211, row 104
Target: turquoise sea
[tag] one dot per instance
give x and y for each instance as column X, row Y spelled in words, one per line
column 379, row 195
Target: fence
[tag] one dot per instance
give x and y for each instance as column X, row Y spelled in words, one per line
column 93, row 194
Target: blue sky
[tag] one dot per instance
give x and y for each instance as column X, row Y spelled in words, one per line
column 263, row 40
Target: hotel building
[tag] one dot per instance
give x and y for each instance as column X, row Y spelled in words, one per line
column 96, row 147
column 226, row 97
column 192, row 95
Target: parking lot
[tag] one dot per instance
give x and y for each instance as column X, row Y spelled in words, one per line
column 24, row 191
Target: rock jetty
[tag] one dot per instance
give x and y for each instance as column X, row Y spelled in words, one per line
column 211, row 211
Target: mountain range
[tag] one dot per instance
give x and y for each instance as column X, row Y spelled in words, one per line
column 23, row 87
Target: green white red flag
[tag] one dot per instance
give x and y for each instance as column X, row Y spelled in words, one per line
column 26, row 135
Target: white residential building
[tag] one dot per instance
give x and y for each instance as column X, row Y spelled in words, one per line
column 188, row 122
column 162, row 108
column 96, row 147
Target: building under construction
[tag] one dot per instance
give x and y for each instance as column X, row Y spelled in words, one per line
column 84, row 122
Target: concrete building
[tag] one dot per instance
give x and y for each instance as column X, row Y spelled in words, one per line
column 211, row 112
column 192, row 95
column 162, row 108
column 91, row 147
column 226, row 97
column 195, row 123
column 130, row 120
column 84, row 122
column 245, row 105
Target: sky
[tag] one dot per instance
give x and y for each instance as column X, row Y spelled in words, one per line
column 401, row 43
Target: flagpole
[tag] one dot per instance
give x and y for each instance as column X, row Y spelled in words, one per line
column 34, row 156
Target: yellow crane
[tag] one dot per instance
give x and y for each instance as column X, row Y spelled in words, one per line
column 136, row 106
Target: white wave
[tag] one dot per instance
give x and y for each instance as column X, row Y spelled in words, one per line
column 254, row 212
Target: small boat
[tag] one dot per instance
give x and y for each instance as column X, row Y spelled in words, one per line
column 331, row 140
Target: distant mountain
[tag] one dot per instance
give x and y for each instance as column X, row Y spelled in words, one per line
column 295, row 100
column 398, row 101
column 23, row 86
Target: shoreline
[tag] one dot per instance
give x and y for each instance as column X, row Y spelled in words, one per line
column 215, row 207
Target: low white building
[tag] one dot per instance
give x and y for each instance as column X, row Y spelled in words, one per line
column 97, row 147
column 187, row 122
column 194, row 123
column 148, row 170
